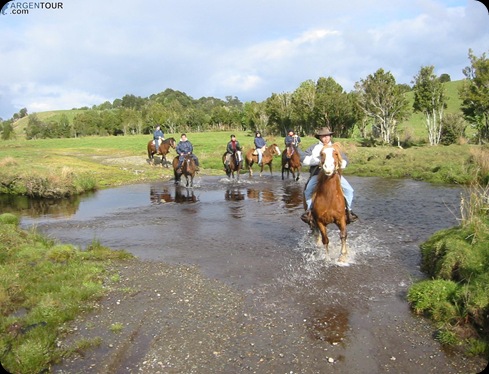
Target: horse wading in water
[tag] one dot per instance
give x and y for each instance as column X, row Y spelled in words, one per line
column 328, row 200
column 291, row 162
column 235, row 164
column 188, row 169
column 267, row 158
column 163, row 150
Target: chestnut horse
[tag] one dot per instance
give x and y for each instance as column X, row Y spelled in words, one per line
column 187, row 169
column 163, row 150
column 291, row 162
column 328, row 204
column 235, row 164
column 267, row 158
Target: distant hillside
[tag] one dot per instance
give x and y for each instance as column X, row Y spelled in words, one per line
column 415, row 125
column 53, row 115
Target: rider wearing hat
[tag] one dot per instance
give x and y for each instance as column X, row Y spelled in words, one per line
column 311, row 157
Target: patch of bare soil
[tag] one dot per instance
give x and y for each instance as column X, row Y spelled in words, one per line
column 172, row 318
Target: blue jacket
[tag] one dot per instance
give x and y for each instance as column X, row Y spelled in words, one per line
column 184, row 147
column 260, row 142
column 158, row 134
column 294, row 140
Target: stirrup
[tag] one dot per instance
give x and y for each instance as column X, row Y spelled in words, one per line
column 306, row 217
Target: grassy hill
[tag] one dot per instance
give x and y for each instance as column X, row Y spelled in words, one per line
column 416, row 125
column 53, row 115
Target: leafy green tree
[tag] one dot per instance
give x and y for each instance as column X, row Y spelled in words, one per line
column 381, row 99
column 334, row 108
column 279, row 111
column 255, row 116
column 430, row 99
column 34, row 128
column 87, row 123
column 303, row 108
column 474, row 94
column 7, row 130
column 453, row 128
column 132, row 102
column 444, row 78
column 131, row 121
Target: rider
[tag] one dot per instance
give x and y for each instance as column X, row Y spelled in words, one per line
column 157, row 136
column 291, row 140
column 232, row 147
column 184, row 147
column 260, row 146
column 311, row 157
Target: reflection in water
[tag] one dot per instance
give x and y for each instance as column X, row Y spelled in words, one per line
column 24, row 205
column 157, row 196
column 164, row 195
column 184, row 195
column 330, row 324
column 262, row 195
column 292, row 196
column 234, row 194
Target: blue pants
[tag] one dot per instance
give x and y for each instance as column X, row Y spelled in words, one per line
column 347, row 191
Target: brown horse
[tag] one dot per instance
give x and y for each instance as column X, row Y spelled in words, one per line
column 187, row 169
column 328, row 200
column 267, row 158
column 163, row 149
column 291, row 162
column 235, row 164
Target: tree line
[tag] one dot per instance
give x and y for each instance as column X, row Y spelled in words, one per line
column 375, row 107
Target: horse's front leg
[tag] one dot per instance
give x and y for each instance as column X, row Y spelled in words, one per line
column 344, row 250
column 323, row 237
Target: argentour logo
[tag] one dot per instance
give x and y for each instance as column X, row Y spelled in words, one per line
column 24, row 7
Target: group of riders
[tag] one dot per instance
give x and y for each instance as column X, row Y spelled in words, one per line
column 310, row 157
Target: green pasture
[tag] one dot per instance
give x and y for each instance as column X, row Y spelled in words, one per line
column 50, row 167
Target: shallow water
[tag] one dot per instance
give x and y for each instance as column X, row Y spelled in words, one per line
column 249, row 235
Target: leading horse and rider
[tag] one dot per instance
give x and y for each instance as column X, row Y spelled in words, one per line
column 312, row 157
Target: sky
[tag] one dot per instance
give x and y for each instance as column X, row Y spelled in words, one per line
column 65, row 54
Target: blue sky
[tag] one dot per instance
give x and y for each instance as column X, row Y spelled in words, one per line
column 91, row 51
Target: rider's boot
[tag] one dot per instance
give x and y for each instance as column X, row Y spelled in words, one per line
column 350, row 216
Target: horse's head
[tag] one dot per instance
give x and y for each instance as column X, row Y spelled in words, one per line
column 274, row 149
column 330, row 160
column 172, row 142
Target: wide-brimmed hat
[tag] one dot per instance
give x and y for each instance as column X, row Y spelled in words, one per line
column 323, row 131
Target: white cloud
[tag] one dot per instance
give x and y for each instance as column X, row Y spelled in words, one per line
column 91, row 51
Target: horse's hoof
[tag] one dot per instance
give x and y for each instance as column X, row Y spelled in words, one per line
column 343, row 258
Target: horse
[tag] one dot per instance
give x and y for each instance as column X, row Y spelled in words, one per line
column 267, row 158
column 163, row 150
column 328, row 200
column 291, row 162
column 187, row 169
column 235, row 164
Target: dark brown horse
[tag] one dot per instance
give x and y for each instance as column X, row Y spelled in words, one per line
column 235, row 164
column 291, row 162
column 187, row 169
column 328, row 204
column 163, row 149
column 267, row 158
